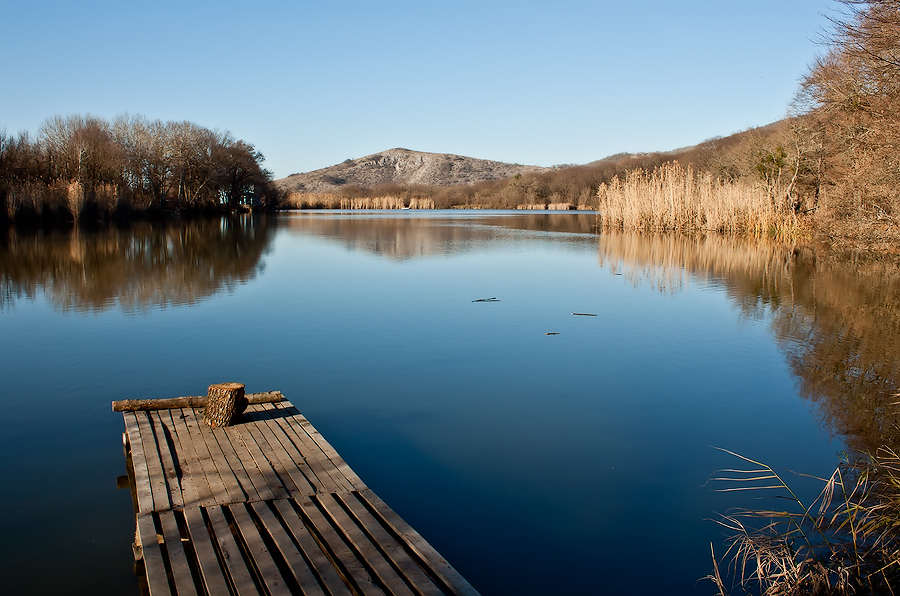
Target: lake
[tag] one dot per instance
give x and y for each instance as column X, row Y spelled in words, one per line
column 539, row 451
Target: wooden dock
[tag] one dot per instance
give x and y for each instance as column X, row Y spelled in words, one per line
column 265, row 506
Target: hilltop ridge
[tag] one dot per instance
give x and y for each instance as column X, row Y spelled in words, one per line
column 403, row 166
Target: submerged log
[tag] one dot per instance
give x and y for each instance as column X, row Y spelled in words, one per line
column 225, row 402
column 192, row 401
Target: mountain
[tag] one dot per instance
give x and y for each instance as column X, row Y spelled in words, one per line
column 402, row 166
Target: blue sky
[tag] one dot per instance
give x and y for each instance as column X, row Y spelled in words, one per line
column 311, row 84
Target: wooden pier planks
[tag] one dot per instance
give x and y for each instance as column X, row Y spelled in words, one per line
column 267, row 506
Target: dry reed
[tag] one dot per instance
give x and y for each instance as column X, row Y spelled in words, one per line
column 308, row 200
column 547, row 207
column 673, row 198
column 845, row 541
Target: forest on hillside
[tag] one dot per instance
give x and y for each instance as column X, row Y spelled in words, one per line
column 82, row 168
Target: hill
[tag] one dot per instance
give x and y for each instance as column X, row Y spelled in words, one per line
column 403, row 178
column 405, row 167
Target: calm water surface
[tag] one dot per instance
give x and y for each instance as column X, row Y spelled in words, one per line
column 574, row 463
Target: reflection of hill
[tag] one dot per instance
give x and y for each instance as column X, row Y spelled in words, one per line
column 838, row 320
column 404, row 237
column 142, row 266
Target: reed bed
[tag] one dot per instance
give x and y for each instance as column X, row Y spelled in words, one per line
column 845, row 541
column 672, row 198
column 547, row 207
column 307, row 200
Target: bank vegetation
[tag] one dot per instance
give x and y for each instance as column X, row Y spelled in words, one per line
column 82, row 168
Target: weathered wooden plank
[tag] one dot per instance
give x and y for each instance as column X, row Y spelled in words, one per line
column 371, row 556
column 291, row 460
column 189, row 495
column 154, row 464
column 226, row 474
column 168, row 463
column 157, row 581
column 304, row 477
column 338, row 548
column 213, row 576
column 299, row 568
column 204, row 457
column 223, row 438
column 453, row 581
column 355, row 482
column 191, row 459
column 315, row 458
column 334, row 463
column 247, row 464
column 263, row 466
column 391, row 547
column 260, row 554
column 327, row 571
column 181, row 570
column 254, row 429
column 316, row 466
column 139, row 464
column 231, row 553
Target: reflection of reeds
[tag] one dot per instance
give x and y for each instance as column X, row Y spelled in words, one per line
column 846, row 541
column 675, row 198
column 836, row 319
column 309, row 200
column 664, row 259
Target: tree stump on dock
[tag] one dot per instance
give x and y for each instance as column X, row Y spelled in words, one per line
column 225, row 402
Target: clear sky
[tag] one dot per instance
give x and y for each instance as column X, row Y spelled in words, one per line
column 311, row 84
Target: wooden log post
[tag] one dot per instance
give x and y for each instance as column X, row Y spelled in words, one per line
column 225, row 402
column 193, row 401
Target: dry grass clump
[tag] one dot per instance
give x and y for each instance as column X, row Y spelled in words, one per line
column 846, row 541
column 311, row 200
column 672, row 198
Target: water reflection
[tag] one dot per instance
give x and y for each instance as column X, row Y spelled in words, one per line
column 146, row 265
column 837, row 318
column 404, row 236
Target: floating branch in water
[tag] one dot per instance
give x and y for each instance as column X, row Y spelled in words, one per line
column 486, row 300
column 584, row 314
column 552, row 333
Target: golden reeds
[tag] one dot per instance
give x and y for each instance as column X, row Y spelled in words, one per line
column 846, row 541
column 546, row 207
column 309, row 200
column 672, row 198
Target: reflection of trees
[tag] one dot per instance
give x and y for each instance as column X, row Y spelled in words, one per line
column 837, row 319
column 401, row 237
column 142, row 266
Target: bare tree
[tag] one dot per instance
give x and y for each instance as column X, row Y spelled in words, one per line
column 853, row 93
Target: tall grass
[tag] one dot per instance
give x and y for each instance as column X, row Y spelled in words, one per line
column 309, row 200
column 672, row 198
column 845, row 541
column 549, row 207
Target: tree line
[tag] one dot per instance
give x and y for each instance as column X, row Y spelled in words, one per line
column 83, row 168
